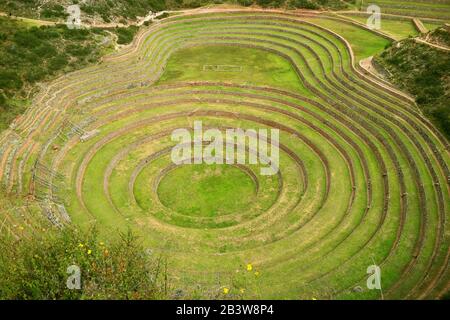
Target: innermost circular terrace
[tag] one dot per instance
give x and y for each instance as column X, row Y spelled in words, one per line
column 207, row 190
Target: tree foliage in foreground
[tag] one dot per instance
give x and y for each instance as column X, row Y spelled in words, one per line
column 37, row 268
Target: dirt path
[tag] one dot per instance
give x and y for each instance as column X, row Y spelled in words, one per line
column 367, row 64
column 29, row 20
column 437, row 46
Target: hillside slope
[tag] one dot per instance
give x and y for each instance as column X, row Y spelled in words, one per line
column 424, row 72
column 119, row 10
column 31, row 55
column 106, row 9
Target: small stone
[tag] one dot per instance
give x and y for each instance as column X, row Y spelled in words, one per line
column 178, row 294
column 357, row 289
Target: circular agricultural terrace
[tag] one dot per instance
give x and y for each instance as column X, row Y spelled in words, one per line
column 363, row 177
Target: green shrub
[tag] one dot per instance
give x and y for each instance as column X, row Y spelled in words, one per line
column 9, row 80
column 2, row 101
column 126, row 35
column 54, row 11
column 106, row 18
column 35, row 74
column 37, row 268
column 303, row 4
column 245, row 3
column 26, row 38
column 162, row 16
column 58, row 63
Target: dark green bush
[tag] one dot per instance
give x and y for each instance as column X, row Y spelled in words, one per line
column 303, row 4
column 58, row 63
column 162, row 16
column 2, row 101
column 245, row 3
column 126, row 35
column 54, row 11
column 9, row 80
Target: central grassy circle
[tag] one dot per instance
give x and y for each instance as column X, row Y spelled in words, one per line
column 207, row 190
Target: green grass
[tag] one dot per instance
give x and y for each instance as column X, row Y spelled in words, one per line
column 363, row 42
column 399, row 29
column 207, row 190
column 422, row 9
column 245, row 65
column 309, row 232
column 432, row 26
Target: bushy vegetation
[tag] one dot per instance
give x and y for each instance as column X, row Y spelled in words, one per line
column 54, row 11
column 26, row 8
column 129, row 9
column 440, row 36
column 37, row 268
column 305, row 4
column 424, row 72
column 110, row 10
column 30, row 55
column 126, row 35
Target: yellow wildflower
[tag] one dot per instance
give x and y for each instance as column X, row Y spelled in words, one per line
column 257, row 273
column 242, row 290
column 226, row 290
column 81, row 245
column 249, row 267
column 89, row 251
